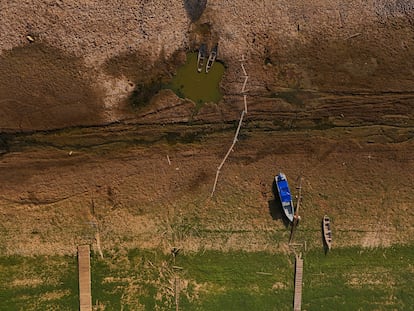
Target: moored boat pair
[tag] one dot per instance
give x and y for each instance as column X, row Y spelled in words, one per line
column 202, row 54
column 285, row 197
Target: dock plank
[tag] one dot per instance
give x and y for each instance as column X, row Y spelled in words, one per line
column 297, row 303
column 84, row 262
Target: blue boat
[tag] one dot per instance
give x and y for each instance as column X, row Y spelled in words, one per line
column 285, row 196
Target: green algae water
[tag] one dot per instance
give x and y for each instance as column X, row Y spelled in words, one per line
column 199, row 87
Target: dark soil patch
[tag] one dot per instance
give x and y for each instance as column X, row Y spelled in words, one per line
column 42, row 87
column 4, row 146
column 148, row 76
column 376, row 57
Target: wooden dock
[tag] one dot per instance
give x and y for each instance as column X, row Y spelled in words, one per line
column 297, row 302
column 84, row 262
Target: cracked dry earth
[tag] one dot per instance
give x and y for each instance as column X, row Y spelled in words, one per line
column 330, row 95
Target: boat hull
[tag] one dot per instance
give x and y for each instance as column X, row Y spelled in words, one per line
column 285, row 196
column 201, row 57
column 200, row 63
column 211, row 59
column 327, row 233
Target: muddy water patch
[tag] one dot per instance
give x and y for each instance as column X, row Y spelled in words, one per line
column 199, row 87
column 178, row 73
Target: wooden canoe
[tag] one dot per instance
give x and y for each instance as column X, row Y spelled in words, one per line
column 212, row 58
column 327, row 233
column 201, row 57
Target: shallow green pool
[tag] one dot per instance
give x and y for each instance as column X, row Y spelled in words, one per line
column 199, row 87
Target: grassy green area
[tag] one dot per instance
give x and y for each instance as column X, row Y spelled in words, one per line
column 239, row 281
column 359, row 279
column 38, row 283
column 199, row 87
column 344, row 279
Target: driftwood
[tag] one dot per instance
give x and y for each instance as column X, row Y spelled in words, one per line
column 235, row 139
column 354, row 35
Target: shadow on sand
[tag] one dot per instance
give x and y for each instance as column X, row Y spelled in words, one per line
column 195, row 8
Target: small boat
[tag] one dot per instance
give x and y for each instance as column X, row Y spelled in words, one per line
column 202, row 53
column 285, row 196
column 212, row 58
column 327, row 233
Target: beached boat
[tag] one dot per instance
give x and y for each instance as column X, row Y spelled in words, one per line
column 327, row 233
column 285, row 196
column 202, row 53
column 212, row 58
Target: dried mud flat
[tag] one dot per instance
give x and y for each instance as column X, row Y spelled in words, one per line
column 313, row 61
column 58, row 190
column 330, row 98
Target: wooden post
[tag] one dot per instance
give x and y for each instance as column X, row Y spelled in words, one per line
column 296, row 217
